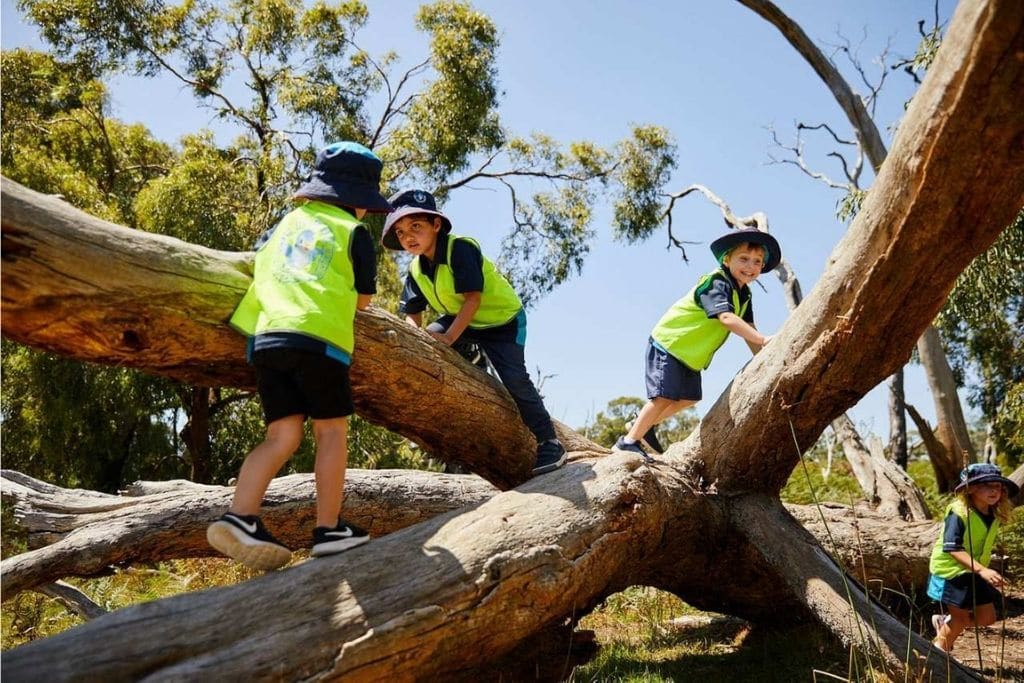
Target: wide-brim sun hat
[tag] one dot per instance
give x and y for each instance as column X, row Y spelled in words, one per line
column 981, row 472
column 407, row 203
column 773, row 253
column 347, row 173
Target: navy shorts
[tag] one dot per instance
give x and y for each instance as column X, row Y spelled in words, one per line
column 963, row 591
column 667, row 376
column 295, row 382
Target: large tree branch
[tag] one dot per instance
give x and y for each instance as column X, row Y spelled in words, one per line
column 88, row 289
column 79, row 533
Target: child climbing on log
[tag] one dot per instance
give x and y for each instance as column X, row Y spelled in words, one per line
column 961, row 580
column 477, row 305
column 311, row 275
column 692, row 330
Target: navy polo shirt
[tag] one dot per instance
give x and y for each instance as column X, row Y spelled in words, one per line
column 468, row 272
column 717, row 298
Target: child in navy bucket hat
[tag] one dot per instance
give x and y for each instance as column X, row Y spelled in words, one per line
column 311, row 274
column 961, row 579
column 692, row 330
column 450, row 275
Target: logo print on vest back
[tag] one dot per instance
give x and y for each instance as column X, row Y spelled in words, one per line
column 306, row 253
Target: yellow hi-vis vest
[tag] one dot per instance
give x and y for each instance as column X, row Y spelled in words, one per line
column 978, row 542
column 499, row 303
column 686, row 331
column 303, row 279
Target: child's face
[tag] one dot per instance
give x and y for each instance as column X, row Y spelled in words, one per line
column 745, row 263
column 986, row 494
column 418, row 234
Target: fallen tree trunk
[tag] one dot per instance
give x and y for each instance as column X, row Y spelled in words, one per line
column 467, row 586
column 82, row 287
column 71, row 534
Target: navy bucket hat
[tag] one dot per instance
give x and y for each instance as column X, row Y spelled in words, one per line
column 407, row 203
column 349, row 174
column 980, row 472
column 773, row 253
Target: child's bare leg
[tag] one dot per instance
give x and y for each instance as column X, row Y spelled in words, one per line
column 959, row 619
column 985, row 615
column 331, row 461
column 264, row 461
column 656, row 410
column 673, row 408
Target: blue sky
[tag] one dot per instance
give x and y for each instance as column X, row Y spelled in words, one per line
column 713, row 73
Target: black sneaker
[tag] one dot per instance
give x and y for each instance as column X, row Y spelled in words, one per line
column 328, row 541
column 634, row 447
column 651, row 439
column 245, row 539
column 550, row 456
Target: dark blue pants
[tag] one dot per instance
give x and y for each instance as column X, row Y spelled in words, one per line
column 509, row 360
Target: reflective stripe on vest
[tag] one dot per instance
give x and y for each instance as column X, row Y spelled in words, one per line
column 978, row 542
column 686, row 331
column 303, row 279
column 499, row 302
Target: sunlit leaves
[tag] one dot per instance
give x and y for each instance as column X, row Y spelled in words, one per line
column 645, row 164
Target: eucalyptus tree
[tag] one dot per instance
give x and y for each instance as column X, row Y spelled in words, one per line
column 283, row 77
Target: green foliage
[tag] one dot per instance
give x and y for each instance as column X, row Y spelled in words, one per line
column 808, row 484
column 611, row 423
column 645, row 164
column 849, row 205
column 639, row 643
column 982, row 326
column 83, row 425
column 180, row 204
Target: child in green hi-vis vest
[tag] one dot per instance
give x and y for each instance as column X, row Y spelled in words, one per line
column 692, row 330
column 311, row 274
column 476, row 303
column 961, row 580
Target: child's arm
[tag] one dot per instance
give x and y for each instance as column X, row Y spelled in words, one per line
column 362, row 301
column 994, row 578
column 414, row 319
column 461, row 322
column 735, row 324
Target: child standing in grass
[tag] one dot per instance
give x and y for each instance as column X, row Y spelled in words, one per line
column 317, row 268
column 692, row 330
column 961, row 579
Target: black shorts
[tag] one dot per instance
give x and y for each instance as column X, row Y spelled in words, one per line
column 667, row 376
column 964, row 591
column 293, row 382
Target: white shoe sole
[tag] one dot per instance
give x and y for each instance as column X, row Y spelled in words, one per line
column 339, row 546
column 544, row 469
column 251, row 552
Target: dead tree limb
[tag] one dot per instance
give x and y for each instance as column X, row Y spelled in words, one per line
column 74, row 535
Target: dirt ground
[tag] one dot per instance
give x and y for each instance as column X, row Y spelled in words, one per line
column 1002, row 644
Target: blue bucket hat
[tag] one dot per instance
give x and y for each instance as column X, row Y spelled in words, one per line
column 349, row 174
column 980, row 472
column 406, row 203
column 773, row 253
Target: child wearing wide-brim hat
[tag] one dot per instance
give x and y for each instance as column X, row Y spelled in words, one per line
column 687, row 336
column 311, row 274
column 476, row 304
column 961, row 579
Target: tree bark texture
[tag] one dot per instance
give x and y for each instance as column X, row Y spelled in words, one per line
column 71, row 534
column 84, row 288
column 945, row 464
column 953, row 428
column 466, row 586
